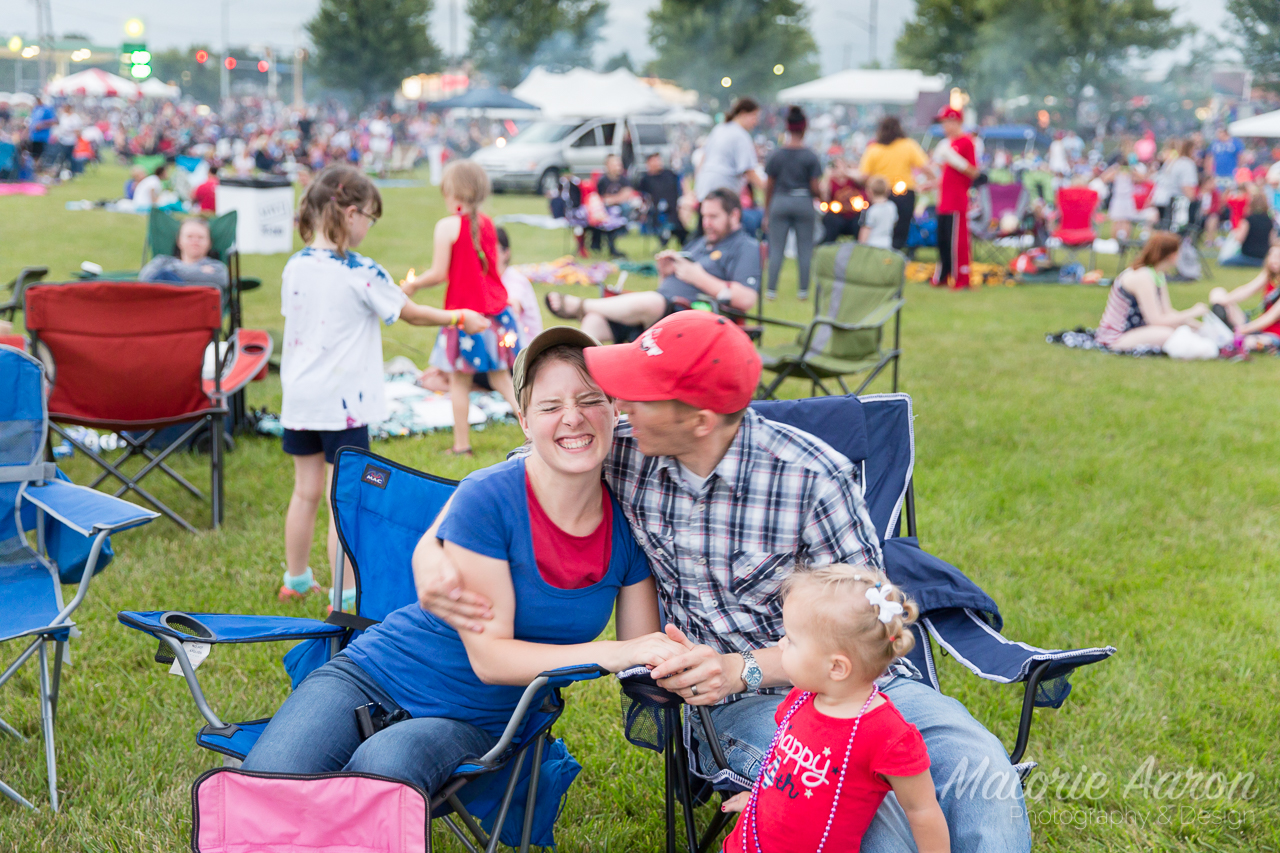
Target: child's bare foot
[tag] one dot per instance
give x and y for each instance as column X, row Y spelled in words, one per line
column 564, row 306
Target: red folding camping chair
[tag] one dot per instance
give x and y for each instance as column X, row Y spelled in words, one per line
column 1075, row 225
column 134, row 358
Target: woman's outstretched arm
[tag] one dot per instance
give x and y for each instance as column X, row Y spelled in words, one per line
column 1156, row 309
column 498, row 658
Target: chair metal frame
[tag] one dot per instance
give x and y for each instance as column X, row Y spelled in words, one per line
column 680, row 782
column 523, row 732
column 799, row 367
column 43, row 475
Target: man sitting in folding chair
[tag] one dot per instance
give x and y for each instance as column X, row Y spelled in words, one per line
column 727, row 503
column 542, row 539
column 722, row 268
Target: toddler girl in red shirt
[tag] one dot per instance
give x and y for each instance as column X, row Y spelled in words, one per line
column 841, row 745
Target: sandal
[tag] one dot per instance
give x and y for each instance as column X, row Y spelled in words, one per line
column 563, row 311
column 465, row 452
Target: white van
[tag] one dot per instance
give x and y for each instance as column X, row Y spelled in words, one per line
column 534, row 159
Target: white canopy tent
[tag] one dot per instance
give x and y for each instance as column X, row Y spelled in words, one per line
column 93, row 83
column 581, row 92
column 1267, row 124
column 154, row 87
column 866, row 86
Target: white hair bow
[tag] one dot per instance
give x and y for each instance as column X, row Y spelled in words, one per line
column 888, row 609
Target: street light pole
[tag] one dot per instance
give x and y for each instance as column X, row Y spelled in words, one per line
column 871, row 33
column 225, row 76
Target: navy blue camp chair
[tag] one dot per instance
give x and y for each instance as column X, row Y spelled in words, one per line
column 381, row 510
column 876, row 433
column 70, row 525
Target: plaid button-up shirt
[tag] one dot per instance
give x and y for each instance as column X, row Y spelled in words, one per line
column 720, row 554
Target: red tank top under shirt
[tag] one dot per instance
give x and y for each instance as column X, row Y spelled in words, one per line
column 469, row 285
column 565, row 561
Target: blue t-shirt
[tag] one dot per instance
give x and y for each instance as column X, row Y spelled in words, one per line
column 421, row 662
column 44, row 112
column 1226, row 156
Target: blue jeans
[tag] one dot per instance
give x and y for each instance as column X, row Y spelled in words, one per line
column 315, row 732
column 977, row 788
column 1240, row 259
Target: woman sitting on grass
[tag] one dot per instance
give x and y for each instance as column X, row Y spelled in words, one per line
column 544, row 540
column 1138, row 312
column 1263, row 331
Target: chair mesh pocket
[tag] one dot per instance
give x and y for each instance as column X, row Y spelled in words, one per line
column 644, row 704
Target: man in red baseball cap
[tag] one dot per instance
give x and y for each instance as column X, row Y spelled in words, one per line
column 724, row 502
column 959, row 162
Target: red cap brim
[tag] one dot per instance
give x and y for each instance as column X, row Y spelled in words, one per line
column 621, row 373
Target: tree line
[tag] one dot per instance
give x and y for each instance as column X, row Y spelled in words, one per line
column 1069, row 51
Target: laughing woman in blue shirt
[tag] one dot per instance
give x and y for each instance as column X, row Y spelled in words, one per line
column 541, row 537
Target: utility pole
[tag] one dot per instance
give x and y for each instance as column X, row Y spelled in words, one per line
column 871, row 33
column 299, row 57
column 273, row 74
column 453, row 31
column 44, row 39
column 225, row 75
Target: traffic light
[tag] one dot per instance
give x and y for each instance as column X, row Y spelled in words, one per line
column 138, row 58
column 230, row 63
column 202, row 56
column 263, row 66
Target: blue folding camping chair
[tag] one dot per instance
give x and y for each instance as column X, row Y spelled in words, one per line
column 381, row 510
column 876, row 433
column 70, row 524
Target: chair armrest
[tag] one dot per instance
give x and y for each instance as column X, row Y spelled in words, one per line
column 215, row 628
column 552, row 677
column 86, row 510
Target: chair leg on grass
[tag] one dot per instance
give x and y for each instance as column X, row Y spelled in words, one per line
column 459, row 834
column 472, row 825
column 131, row 485
column 718, row 823
column 46, row 723
column 15, row 796
column 532, row 796
column 506, row 802
column 59, row 651
column 681, row 767
column 215, row 464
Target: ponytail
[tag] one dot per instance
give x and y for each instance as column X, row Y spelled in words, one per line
column 475, row 241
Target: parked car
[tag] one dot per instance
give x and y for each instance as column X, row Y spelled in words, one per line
column 534, row 159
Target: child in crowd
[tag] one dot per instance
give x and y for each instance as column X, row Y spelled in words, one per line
column 881, row 217
column 466, row 255
column 841, row 744
column 334, row 302
column 520, row 296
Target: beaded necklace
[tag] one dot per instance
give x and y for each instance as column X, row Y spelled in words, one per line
column 768, row 760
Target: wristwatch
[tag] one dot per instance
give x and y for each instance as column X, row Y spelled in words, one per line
column 752, row 675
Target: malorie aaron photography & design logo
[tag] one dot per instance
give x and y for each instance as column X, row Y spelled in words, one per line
column 1149, row 795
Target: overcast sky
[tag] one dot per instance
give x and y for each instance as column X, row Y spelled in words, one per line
column 839, row 26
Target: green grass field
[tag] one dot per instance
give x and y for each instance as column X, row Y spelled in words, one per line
column 1099, row 499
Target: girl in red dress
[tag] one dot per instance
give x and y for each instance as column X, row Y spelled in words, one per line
column 841, row 745
column 466, row 256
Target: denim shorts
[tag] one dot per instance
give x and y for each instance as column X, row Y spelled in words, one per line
column 307, row 442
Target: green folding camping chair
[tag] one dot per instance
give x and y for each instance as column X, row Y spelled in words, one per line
column 859, row 290
column 162, row 239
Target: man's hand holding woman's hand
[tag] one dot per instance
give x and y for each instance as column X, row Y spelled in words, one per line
column 699, row 674
column 444, row 596
column 650, row 650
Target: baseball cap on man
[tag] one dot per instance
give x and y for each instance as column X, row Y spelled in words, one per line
column 545, row 340
column 696, row 357
column 949, row 113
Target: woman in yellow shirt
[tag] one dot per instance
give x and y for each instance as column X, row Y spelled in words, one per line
column 896, row 157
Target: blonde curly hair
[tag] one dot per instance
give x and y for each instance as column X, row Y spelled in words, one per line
column 842, row 613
